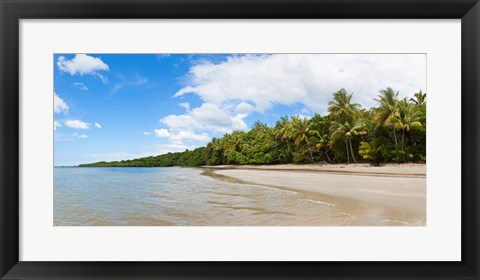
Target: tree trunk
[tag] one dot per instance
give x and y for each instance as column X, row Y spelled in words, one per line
column 348, row 156
column 403, row 152
column 311, row 156
column 395, row 137
column 328, row 158
column 351, row 150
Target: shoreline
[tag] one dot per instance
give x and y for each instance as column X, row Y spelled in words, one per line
column 401, row 186
column 393, row 169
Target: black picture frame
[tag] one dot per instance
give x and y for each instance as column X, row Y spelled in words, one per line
column 11, row 11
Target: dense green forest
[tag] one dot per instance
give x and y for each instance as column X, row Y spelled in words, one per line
column 394, row 131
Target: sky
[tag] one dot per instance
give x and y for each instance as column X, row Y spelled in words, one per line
column 124, row 106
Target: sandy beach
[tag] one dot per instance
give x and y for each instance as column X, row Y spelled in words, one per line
column 400, row 186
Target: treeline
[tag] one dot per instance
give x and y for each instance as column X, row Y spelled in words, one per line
column 394, row 131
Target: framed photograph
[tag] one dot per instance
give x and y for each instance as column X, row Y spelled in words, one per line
column 237, row 139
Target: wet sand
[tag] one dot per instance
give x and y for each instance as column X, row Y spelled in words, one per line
column 409, row 169
column 398, row 186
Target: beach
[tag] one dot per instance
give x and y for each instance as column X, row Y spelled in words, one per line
column 398, row 186
column 289, row 195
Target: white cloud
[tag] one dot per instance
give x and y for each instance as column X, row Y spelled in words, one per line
column 305, row 111
column 77, row 124
column 80, row 86
column 302, row 116
column 82, row 64
column 55, row 125
column 146, row 133
column 211, row 117
column 59, row 106
column 207, row 117
column 178, row 137
column 310, row 79
column 97, row 125
column 185, row 105
column 243, row 108
column 162, row 133
column 179, row 122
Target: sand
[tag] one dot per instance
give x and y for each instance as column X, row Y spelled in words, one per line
column 358, row 168
column 401, row 186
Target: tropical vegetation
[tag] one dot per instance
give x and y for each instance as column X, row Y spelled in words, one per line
column 393, row 131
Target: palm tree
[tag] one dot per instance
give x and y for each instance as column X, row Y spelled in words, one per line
column 283, row 131
column 322, row 142
column 347, row 131
column 406, row 119
column 259, row 128
column 341, row 108
column 385, row 113
column 420, row 102
column 369, row 151
column 300, row 133
column 236, row 140
column 420, row 98
column 217, row 147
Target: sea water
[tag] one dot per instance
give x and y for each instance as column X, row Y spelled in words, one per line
column 176, row 196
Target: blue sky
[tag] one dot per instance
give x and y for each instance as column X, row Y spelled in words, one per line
column 123, row 106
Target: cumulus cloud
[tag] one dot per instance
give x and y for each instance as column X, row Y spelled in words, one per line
column 146, row 133
column 59, row 106
column 310, row 79
column 82, row 64
column 162, row 133
column 243, row 108
column 179, row 122
column 78, row 124
column 207, row 117
column 80, row 86
column 97, row 125
column 177, row 138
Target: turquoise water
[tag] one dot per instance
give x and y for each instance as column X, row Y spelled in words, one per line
column 175, row 196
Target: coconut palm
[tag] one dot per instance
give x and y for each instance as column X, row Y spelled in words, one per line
column 406, row 119
column 341, row 107
column 300, row 133
column 385, row 113
column 420, row 98
column 420, row 102
column 322, row 142
column 370, row 151
column 236, row 140
column 347, row 131
column 283, row 131
column 259, row 128
column 217, row 147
